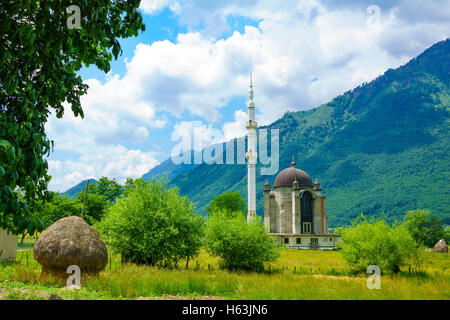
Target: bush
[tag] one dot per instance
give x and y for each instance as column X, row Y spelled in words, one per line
column 240, row 245
column 426, row 228
column 447, row 234
column 373, row 242
column 229, row 201
column 152, row 224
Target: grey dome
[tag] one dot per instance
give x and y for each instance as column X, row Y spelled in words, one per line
column 287, row 177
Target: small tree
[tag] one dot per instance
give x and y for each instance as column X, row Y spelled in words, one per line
column 59, row 206
column 424, row 227
column 229, row 201
column 447, row 234
column 151, row 224
column 240, row 245
column 95, row 206
column 41, row 53
column 373, row 242
column 110, row 189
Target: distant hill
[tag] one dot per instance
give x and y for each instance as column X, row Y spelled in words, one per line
column 169, row 169
column 72, row 192
column 381, row 149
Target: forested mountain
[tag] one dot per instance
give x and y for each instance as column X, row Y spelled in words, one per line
column 380, row 149
column 169, row 169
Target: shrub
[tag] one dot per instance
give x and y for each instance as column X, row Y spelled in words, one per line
column 152, row 224
column 239, row 245
column 373, row 242
column 426, row 228
column 229, row 201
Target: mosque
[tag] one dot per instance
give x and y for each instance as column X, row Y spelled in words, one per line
column 294, row 211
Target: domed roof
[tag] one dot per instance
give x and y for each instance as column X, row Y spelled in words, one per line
column 287, row 177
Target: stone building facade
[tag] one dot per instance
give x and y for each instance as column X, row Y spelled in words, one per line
column 294, row 211
column 8, row 245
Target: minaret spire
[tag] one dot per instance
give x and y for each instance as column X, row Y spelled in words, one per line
column 251, row 155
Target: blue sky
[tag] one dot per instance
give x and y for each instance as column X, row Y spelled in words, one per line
column 193, row 61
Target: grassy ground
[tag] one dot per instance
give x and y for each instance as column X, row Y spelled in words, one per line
column 298, row 274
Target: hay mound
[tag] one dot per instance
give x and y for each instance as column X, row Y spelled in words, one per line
column 70, row 241
column 441, row 246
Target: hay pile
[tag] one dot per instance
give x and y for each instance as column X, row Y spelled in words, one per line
column 441, row 246
column 70, row 241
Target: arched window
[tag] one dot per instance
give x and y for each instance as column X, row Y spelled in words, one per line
column 306, row 212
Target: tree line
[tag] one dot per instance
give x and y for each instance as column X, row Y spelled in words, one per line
column 150, row 223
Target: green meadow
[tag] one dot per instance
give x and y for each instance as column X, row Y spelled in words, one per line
column 298, row 274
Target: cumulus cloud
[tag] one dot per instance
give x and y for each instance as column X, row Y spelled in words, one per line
column 302, row 53
column 155, row 6
column 113, row 161
column 235, row 129
column 114, row 116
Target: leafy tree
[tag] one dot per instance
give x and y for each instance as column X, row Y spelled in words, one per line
column 229, row 201
column 447, row 234
column 240, row 245
column 110, row 189
column 33, row 220
column 95, row 206
column 370, row 242
column 151, row 224
column 58, row 207
column 424, row 227
column 40, row 54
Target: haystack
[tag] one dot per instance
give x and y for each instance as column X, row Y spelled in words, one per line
column 70, row 241
column 441, row 246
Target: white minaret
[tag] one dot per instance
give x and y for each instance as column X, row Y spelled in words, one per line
column 251, row 154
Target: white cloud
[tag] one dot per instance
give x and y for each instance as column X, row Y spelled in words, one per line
column 111, row 161
column 235, row 129
column 154, row 6
column 294, row 43
column 302, row 54
column 114, row 116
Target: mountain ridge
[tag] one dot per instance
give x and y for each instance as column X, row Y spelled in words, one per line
column 369, row 147
column 380, row 149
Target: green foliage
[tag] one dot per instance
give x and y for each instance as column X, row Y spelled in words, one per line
column 229, row 201
column 39, row 60
column 94, row 207
column 426, row 228
column 299, row 275
column 110, row 189
column 370, row 242
column 369, row 147
column 447, row 234
column 240, row 245
column 151, row 224
column 79, row 187
column 58, row 207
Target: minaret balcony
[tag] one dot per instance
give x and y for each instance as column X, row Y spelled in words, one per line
column 251, row 124
column 251, row 155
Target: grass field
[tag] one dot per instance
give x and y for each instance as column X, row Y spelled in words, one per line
column 298, row 274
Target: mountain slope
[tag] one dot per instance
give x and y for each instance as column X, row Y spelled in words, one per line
column 380, row 149
column 72, row 192
column 169, row 169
